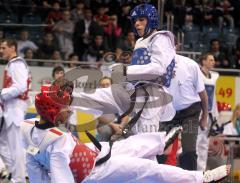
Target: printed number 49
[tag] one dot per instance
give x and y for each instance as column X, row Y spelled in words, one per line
column 225, row 92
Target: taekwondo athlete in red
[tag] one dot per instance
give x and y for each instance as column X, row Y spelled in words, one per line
column 14, row 95
column 55, row 156
column 48, row 148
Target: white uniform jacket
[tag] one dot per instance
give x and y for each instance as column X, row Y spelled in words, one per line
column 15, row 91
column 52, row 156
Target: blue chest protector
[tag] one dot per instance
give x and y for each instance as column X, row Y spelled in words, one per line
column 141, row 56
column 42, row 159
column 210, row 93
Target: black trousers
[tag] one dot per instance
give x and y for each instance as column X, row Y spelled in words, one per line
column 189, row 119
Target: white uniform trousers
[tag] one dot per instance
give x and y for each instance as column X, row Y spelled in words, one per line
column 202, row 149
column 117, row 100
column 12, row 152
column 202, row 146
column 129, row 163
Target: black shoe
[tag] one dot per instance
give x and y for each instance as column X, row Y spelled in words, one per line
column 172, row 135
column 9, row 177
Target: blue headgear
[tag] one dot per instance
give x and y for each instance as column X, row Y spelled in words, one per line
column 148, row 11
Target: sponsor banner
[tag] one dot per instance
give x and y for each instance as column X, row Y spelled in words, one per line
column 237, row 90
column 226, row 90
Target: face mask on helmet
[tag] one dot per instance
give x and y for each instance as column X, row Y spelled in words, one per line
column 52, row 103
column 148, row 11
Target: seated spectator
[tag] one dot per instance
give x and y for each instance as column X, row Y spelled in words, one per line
column 28, row 55
column 24, row 43
column 84, row 31
column 188, row 25
column 55, row 56
column 44, row 7
column 125, row 48
column 77, row 12
column 113, row 32
column 204, row 13
column 221, row 57
column 54, row 15
column 47, row 46
column 96, row 50
column 124, row 19
column 105, row 82
column 101, row 17
column 225, row 10
column 63, row 29
column 128, row 43
column 73, row 58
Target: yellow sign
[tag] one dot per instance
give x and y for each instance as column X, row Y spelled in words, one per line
column 85, row 121
column 225, row 90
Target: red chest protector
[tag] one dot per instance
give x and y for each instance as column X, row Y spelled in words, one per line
column 82, row 161
column 7, row 82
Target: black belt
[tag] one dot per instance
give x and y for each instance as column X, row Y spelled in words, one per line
column 1, row 123
column 99, row 147
column 126, row 130
column 190, row 111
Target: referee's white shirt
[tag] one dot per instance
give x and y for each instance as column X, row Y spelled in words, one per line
column 186, row 84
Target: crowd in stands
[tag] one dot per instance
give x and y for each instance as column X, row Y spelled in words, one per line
column 86, row 30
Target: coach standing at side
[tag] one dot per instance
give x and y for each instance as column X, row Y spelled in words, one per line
column 14, row 97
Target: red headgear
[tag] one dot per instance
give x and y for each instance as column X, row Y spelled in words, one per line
column 51, row 101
